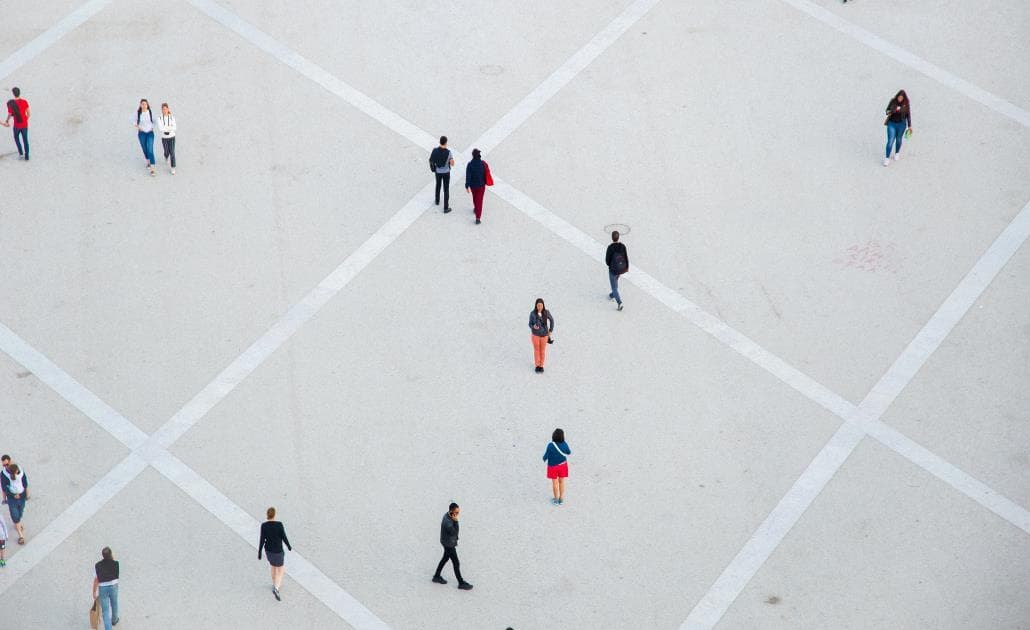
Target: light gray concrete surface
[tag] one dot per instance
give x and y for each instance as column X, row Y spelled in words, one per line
column 739, row 140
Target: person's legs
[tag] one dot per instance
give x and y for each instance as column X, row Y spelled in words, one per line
column 899, row 134
column 17, row 507
column 891, row 132
column 142, row 143
column 171, row 150
column 114, row 603
column 542, row 341
column 272, row 571
column 453, row 553
column 439, row 181
column 613, row 280
column 104, row 596
column 23, row 146
column 150, row 148
column 477, row 201
column 554, row 488
column 443, row 561
column 446, row 190
column 561, row 488
column 278, row 579
column 17, row 142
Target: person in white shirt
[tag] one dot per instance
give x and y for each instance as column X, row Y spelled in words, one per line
column 145, row 131
column 166, row 124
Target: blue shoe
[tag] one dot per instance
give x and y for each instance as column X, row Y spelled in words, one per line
column 554, row 501
column 561, row 501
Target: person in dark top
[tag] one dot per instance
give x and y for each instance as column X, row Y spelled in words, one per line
column 557, row 457
column 618, row 263
column 105, row 587
column 899, row 119
column 475, row 182
column 449, row 540
column 541, row 325
column 15, row 485
column 273, row 535
column 441, row 161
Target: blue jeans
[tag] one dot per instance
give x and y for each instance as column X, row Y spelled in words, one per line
column 895, row 132
column 613, row 279
column 24, row 133
column 16, row 507
column 146, row 140
column 109, row 602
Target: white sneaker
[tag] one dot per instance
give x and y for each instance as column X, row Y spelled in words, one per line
column 897, row 157
column 886, row 161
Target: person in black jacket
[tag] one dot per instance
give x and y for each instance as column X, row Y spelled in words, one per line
column 449, row 540
column 273, row 535
column 441, row 161
column 105, row 587
column 475, row 182
column 541, row 327
column 899, row 120
column 618, row 263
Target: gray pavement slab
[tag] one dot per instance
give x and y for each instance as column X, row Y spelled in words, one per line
column 888, row 546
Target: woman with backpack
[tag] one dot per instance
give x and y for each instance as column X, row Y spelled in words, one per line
column 145, row 132
column 898, row 122
column 541, row 325
column 557, row 457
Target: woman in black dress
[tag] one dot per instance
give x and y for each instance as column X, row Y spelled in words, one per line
column 273, row 535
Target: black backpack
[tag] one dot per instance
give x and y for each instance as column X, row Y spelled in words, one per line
column 619, row 263
column 438, row 158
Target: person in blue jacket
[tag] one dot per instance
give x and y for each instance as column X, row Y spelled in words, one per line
column 557, row 457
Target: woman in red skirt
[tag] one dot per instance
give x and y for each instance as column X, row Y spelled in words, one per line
column 557, row 457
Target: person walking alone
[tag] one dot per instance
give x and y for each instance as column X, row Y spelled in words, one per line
column 166, row 124
column 273, row 536
column 145, row 132
column 449, row 540
column 477, row 178
column 105, row 587
column 618, row 263
column 18, row 113
column 557, row 457
column 441, row 161
column 16, row 488
column 898, row 122
column 541, row 325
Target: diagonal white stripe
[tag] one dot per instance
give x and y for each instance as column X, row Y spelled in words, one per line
column 47, row 38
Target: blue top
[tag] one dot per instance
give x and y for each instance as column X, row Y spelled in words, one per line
column 555, row 456
column 475, row 174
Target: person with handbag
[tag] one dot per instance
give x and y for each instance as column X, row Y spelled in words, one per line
column 441, row 161
column 557, row 457
column 477, row 178
column 898, row 123
column 541, row 325
column 166, row 123
column 105, row 587
column 618, row 263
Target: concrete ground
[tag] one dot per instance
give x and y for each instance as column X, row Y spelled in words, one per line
column 812, row 412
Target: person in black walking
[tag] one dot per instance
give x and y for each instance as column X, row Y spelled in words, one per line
column 105, row 587
column 441, row 160
column 618, row 263
column 273, row 535
column 449, row 540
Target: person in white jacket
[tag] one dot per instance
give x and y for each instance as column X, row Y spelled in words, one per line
column 166, row 124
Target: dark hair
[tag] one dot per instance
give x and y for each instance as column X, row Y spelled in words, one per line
column 5, row 456
column 14, row 470
column 16, row 92
column 106, row 552
column 905, row 103
column 139, row 110
column 475, row 154
column 453, row 506
column 558, row 436
column 443, row 139
column 615, row 236
column 540, row 301
column 270, row 512
column 13, row 106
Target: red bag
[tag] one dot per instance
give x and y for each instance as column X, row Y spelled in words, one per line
column 489, row 177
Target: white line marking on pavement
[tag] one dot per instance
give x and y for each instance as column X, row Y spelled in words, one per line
column 247, row 527
column 71, row 390
column 49, row 37
column 710, row 610
column 978, row 94
column 561, row 77
column 68, row 521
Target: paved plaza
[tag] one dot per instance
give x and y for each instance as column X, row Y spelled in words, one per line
column 813, row 412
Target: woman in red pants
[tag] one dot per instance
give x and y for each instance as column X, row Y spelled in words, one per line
column 541, row 324
column 477, row 178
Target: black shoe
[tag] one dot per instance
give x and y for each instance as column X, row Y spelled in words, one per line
column 477, row 223
column 114, row 622
column 465, row 586
column 436, row 203
column 275, row 592
column 539, row 369
column 439, row 580
column 620, row 306
column 446, row 210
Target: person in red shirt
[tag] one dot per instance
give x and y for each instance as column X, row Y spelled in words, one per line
column 18, row 112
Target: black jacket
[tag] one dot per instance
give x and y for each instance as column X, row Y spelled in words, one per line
column 449, row 531
column 609, row 254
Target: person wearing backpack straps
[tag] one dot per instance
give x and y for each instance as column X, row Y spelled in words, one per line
column 441, row 161
column 18, row 112
column 145, row 133
column 618, row 263
column 557, row 457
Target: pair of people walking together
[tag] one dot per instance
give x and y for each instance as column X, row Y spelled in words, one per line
column 164, row 124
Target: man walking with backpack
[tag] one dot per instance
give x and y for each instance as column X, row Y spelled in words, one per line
column 618, row 263
column 18, row 111
column 440, row 162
